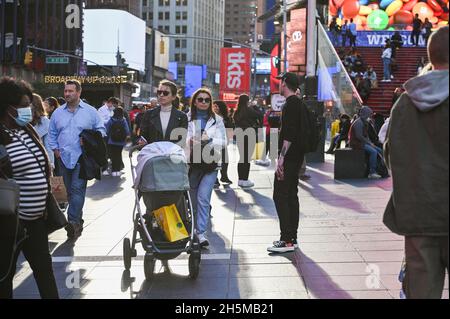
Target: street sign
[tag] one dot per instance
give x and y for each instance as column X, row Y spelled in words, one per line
column 57, row 60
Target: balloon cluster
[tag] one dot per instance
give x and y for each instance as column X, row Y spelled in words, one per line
column 385, row 14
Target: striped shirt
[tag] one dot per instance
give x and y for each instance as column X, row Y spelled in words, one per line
column 28, row 174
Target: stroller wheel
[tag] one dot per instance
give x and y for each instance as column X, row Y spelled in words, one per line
column 127, row 253
column 194, row 265
column 149, row 266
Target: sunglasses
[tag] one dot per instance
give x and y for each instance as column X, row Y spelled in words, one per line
column 164, row 93
column 202, row 100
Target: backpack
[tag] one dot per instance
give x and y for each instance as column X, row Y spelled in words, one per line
column 311, row 129
column 117, row 132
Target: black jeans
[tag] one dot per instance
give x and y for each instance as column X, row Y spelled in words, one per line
column 415, row 37
column 225, row 161
column 36, row 252
column 245, row 156
column 115, row 153
column 285, row 196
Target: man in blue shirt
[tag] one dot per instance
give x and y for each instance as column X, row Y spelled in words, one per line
column 66, row 124
column 353, row 33
column 344, row 33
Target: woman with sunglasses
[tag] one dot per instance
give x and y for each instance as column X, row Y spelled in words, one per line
column 158, row 123
column 206, row 139
column 28, row 165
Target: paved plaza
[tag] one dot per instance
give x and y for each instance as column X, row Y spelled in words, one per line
column 345, row 250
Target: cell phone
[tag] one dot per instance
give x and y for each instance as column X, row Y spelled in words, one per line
column 143, row 139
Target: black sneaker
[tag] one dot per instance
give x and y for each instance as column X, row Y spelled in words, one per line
column 226, row 180
column 70, row 230
column 281, row 247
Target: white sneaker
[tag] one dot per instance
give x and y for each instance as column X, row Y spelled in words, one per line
column 392, row 77
column 203, row 240
column 246, row 184
column 115, row 174
column 374, row 176
column 388, row 80
column 106, row 173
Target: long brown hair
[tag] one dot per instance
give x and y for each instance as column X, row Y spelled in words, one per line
column 194, row 107
column 38, row 109
column 241, row 107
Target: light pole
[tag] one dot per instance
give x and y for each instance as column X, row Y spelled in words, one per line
column 255, row 45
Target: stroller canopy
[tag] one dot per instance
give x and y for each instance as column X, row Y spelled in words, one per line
column 162, row 166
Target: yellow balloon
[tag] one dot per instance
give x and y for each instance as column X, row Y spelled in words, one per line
column 365, row 10
column 394, row 7
column 442, row 23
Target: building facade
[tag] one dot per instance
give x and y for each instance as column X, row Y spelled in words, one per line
column 49, row 24
column 192, row 19
column 132, row 6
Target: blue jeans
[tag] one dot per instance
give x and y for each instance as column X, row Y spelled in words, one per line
column 387, row 68
column 76, row 192
column 373, row 152
column 202, row 185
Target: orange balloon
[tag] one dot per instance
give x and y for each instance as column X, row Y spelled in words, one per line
column 338, row 3
column 410, row 5
column 409, row 28
column 360, row 21
column 350, row 8
column 423, row 10
column 333, row 10
column 434, row 20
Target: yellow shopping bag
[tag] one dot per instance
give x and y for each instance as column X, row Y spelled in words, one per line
column 259, row 151
column 335, row 128
column 170, row 222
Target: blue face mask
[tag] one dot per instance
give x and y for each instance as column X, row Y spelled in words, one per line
column 24, row 116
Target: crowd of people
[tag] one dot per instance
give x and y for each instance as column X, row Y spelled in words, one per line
column 40, row 139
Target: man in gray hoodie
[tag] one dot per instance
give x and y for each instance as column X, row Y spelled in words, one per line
column 417, row 151
column 359, row 140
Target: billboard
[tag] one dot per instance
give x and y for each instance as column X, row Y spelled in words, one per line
column 235, row 70
column 274, row 82
column 263, row 65
column 296, row 46
column 378, row 15
column 102, row 39
column 378, row 38
column 193, row 78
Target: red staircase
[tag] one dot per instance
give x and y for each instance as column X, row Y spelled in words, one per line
column 380, row 99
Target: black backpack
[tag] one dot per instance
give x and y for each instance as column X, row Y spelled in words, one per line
column 310, row 122
column 117, row 132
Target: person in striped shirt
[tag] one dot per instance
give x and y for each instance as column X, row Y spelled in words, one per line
column 29, row 166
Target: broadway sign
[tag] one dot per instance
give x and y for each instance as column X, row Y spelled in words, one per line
column 235, row 70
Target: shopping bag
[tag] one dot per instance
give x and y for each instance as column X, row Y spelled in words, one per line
column 58, row 189
column 259, row 151
column 170, row 222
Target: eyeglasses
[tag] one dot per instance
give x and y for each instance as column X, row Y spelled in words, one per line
column 202, row 100
column 164, row 93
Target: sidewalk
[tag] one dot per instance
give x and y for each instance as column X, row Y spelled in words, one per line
column 345, row 250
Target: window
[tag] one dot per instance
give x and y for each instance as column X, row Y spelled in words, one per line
column 184, row 29
column 178, row 15
column 167, row 28
column 185, row 15
column 183, row 57
column 144, row 3
column 144, row 16
column 161, row 15
column 167, row 15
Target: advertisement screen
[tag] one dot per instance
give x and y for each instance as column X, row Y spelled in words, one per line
column 263, row 65
column 193, row 76
column 102, row 39
column 377, row 15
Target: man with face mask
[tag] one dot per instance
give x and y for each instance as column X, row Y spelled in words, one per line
column 106, row 112
column 359, row 140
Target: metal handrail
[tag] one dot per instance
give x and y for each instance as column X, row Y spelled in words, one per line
column 358, row 97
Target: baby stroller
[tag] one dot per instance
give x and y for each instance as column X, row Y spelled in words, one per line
column 161, row 179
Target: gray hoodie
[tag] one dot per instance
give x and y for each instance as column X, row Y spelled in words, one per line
column 429, row 90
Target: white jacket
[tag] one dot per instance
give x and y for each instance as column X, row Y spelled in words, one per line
column 215, row 129
column 105, row 113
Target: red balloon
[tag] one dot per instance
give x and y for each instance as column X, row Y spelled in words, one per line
column 338, row 3
column 410, row 5
column 444, row 16
column 333, row 10
column 434, row 5
column 350, row 8
column 403, row 17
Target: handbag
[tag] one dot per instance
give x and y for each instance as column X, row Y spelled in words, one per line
column 53, row 216
column 9, row 197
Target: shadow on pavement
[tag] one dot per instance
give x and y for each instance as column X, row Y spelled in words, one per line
column 108, row 186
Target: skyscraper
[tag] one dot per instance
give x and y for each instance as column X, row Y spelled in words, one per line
column 195, row 19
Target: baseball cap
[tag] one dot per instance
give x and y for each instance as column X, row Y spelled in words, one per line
column 290, row 78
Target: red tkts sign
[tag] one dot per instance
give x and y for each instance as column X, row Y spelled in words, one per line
column 235, row 70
